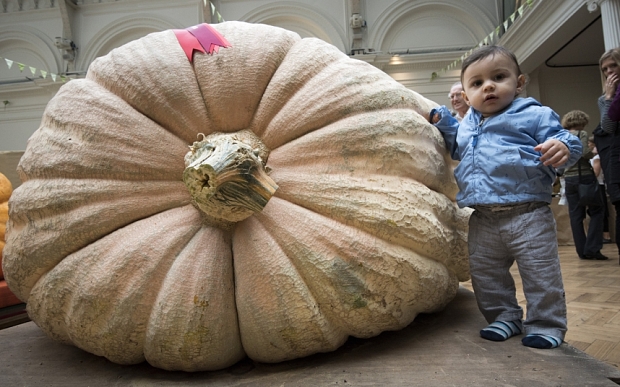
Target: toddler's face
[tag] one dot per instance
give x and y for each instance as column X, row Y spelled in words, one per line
column 491, row 84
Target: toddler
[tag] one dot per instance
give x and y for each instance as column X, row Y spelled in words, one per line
column 508, row 149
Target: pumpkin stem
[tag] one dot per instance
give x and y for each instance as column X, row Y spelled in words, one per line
column 225, row 174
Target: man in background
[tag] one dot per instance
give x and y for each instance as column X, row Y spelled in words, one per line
column 458, row 103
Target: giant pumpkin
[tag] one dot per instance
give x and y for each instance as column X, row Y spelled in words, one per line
column 267, row 200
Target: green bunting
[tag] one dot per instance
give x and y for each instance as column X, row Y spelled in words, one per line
column 33, row 70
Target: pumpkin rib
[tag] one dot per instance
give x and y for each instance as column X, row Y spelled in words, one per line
column 391, row 143
column 193, row 325
column 106, row 317
column 205, row 78
column 151, row 83
column 399, row 210
column 242, row 71
column 278, row 317
column 306, row 110
column 305, row 59
column 99, row 147
column 54, row 208
column 351, row 242
column 347, row 275
column 348, row 87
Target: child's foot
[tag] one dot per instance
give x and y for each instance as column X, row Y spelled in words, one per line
column 541, row 341
column 501, row 330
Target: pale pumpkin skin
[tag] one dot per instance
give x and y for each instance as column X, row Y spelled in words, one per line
column 361, row 235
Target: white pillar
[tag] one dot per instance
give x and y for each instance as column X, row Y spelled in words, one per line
column 610, row 13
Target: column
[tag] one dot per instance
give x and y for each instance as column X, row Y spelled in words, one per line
column 610, row 13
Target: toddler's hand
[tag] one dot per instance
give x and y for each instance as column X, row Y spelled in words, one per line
column 554, row 152
column 434, row 117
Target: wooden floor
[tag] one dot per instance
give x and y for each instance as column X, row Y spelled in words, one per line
column 593, row 302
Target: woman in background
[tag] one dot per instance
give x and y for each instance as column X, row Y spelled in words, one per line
column 588, row 245
column 607, row 137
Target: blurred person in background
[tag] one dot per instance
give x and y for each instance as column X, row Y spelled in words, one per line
column 607, row 137
column 459, row 105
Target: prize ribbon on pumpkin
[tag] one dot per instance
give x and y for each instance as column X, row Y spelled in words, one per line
column 202, row 37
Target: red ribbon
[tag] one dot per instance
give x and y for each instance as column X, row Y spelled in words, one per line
column 202, row 37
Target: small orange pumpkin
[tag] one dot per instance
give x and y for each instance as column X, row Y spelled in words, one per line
column 7, row 298
column 5, row 193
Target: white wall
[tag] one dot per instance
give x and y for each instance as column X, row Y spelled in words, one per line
column 22, row 115
column 324, row 19
column 26, row 37
column 573, row 88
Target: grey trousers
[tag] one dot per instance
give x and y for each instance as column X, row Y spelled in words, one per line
column 525, row 233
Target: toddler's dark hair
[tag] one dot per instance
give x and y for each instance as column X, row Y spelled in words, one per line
column 485, row 51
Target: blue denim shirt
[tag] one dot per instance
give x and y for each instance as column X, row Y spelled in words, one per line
column 499, row 165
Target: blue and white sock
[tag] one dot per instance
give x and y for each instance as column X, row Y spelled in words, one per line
column 541, row 341
column 501, row 330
